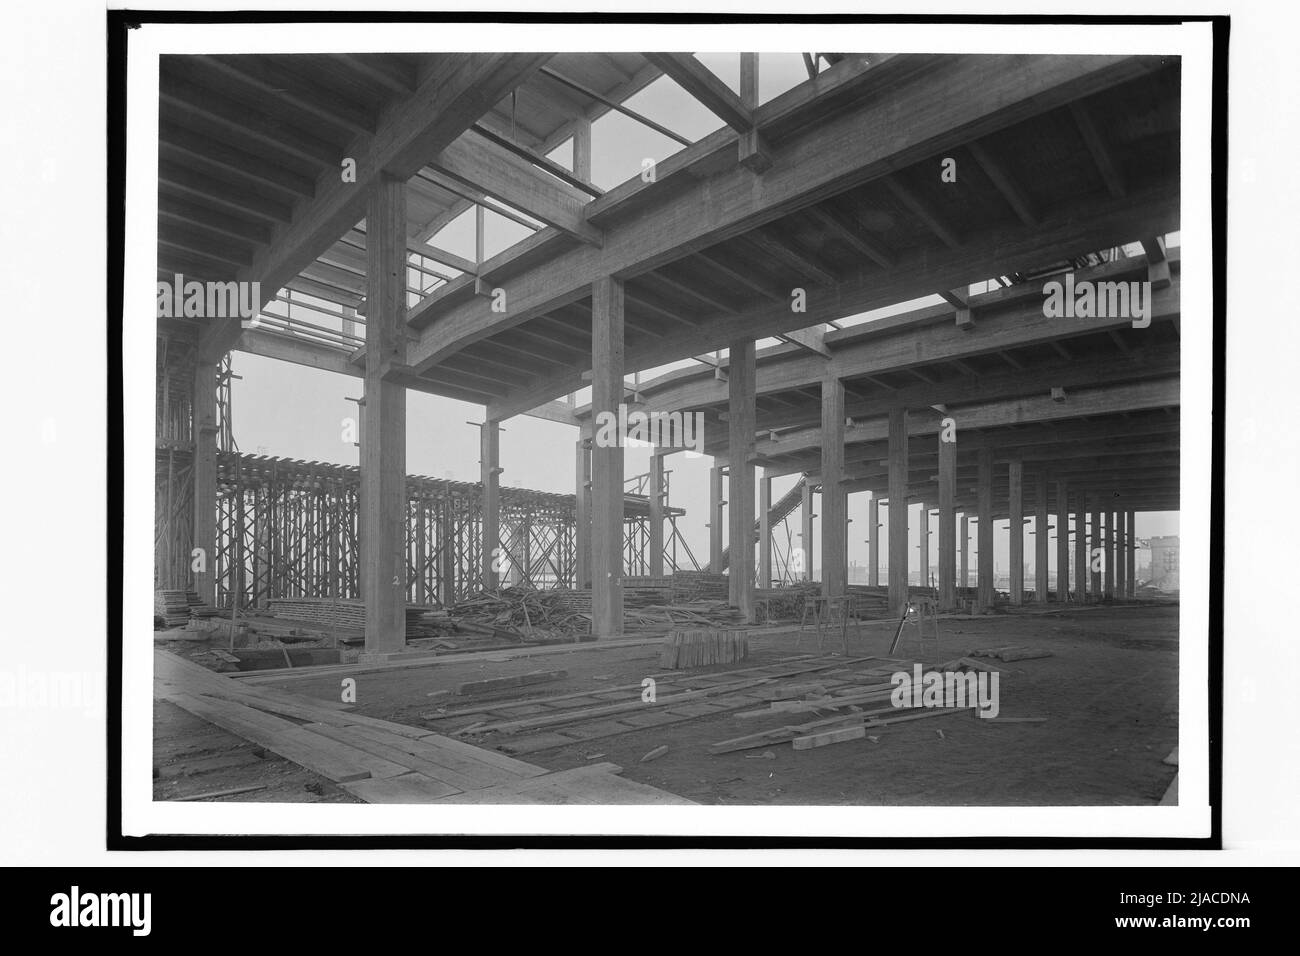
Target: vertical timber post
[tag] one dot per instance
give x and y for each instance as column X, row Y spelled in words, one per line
column 656, row 537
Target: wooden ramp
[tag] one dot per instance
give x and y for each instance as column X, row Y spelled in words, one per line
column 379, row 761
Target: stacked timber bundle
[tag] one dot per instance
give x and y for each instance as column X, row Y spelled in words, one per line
column 691, row 586
column 639, row 595
column 329, row 612
column 873, row 601
column 198, row 608
column 684, row 649
column 785, row 604
column 172, row 606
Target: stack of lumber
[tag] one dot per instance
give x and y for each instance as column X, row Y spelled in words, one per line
column 173, row 606
column 691, row 586
column 785, row 604
column 337, row 613
column 637, row 595
column 703, row 648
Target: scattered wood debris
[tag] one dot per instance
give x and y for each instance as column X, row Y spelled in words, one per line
column 654, row 754
column 1011, row 652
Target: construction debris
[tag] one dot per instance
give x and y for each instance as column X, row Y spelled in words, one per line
column 1011, row 652
column 495, row 684
column 174, row 608
column 654, row 754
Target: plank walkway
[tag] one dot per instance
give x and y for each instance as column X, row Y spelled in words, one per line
column 379, row 761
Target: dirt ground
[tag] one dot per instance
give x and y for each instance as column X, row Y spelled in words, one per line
column 1109, row 693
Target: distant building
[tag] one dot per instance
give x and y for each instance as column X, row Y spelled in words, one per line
column 1164, row 563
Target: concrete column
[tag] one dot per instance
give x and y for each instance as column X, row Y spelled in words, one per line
column 656, row 543
column 764, row 532
column 1119, row 554
column 923, row 545
column 582, row 148
column 606, row 462
column 1062, row 543
column 964, row 582
column 1040, row 539
column 1096, row 552
column 1080, row 550
column 492, row 558
column 203, row 406
column 1110, row 555
column 897, row 510
column 582, row 512
column 1130, row 524
column 985, row 529
column 716, row 504
column 947, row 523
column 383, row 440
column 741, row 422
column 1016, row 529
column 834, row 497
column 806, row 541
column 873, row 541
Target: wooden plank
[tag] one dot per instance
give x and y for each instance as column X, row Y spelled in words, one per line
column 405, row 788
column 339, row 763
column 453, row 754
column 591, row 784
column 828, row 737
column 606, row 710
column 353, row 739
column 498, row 683
column 538, row 742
